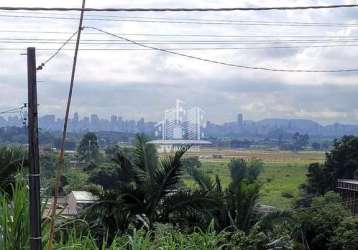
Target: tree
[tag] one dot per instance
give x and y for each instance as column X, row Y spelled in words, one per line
column 300, row 141
column 345, row 235
column 241, row 169
column 88, row 150
column 105, row 175
column 319, row 222
column 191, row 163
column 146, row 190
column 341, row 163
column 12, row 159
column 75, row 180
column 238, row 201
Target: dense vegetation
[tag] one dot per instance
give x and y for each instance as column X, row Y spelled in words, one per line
column 145, row 203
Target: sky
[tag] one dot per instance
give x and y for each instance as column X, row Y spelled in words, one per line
column 143, row 83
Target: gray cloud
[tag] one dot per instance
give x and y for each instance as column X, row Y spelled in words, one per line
column 143, row 83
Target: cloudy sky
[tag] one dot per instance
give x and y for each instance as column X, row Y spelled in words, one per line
column 142, row 83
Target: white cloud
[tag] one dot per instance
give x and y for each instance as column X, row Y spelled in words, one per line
column 139, row 83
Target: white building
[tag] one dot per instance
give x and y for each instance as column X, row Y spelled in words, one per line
column 180, row 126
column 181, row 123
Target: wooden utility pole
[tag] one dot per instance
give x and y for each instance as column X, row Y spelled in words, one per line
column 34, row 175
column 64, row 132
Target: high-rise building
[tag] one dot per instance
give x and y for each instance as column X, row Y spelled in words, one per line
column 95, row 122
column 240, row 119
column 181, row 123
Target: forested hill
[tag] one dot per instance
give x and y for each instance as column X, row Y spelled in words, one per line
column 280, row 127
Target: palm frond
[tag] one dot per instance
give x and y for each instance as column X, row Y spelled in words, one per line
column 146, row 157
column 203, row 180
column 167, row 177
column 267, row 222
column 218, row 187
column 187, row 200
column 126, row 170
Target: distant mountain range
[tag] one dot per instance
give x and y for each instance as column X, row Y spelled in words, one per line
column 280, row 127
column 270, row 128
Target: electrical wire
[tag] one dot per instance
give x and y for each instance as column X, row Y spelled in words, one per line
column 19, row 49
column 172, row 21
column 40, row 67
column 175, row 35
column 190, row 48
column 12, row 110
column 310, row 7
column 222, row 63
column 175, row 19
column 146, row 41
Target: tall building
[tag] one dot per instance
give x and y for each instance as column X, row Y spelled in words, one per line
column 181, row 123
column 240, row 119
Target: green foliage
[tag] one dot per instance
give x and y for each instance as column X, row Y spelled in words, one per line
column 191, row 162
column 75, row 180
column 48, row 164
column 287, row 195
column 105, row 175
column 14, row 218
column 319, row 222
column 144, row 190
column 238, row 200
column 241, row 169
column 111, row 152
column 345, row 235
column 341, row 163
column 88, row 150
column 12, row 159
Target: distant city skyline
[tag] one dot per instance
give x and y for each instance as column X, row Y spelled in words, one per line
column 138, row 84
column 16, row 119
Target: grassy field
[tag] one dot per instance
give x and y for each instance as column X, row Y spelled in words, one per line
column 283, row 171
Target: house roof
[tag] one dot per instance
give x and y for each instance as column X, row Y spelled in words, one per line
column 84, row 196
column 350, row 181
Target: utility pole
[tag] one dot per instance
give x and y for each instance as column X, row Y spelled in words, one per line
column 64, row 132
column 34, row 175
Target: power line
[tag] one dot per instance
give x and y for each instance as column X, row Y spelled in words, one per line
column 109, row 17
column 311, row 7
column 12, row 110
column 169, row 35
column 223, row 63
column 186, row 41
column 40, row 67
column 183, row 21
column 189, row 49
column 175, row 19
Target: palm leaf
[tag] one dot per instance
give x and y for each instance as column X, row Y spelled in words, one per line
column 184, row 204
column 167, row 177
column 218, row 187
column 146, row 157
column 203, row 180
column 127, row 171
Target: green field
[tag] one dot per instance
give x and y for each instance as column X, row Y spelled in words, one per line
column 282, row 174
